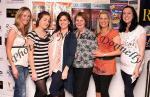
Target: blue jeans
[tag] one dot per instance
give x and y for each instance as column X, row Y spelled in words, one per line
column 20, row 83
column 57, row 84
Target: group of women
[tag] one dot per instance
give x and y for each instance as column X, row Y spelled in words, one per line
column 70, row 55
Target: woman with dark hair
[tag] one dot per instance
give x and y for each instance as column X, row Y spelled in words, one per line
column 16, row 49
column 83, row 63
column 61, row 55
column 38, row 41
column 133, row 37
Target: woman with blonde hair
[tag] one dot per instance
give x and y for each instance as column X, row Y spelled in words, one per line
column 105, row 64
column 16, row 50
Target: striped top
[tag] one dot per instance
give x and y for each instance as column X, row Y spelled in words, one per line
column 40, row 54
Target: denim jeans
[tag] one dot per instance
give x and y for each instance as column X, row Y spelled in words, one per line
column 57, row 84
column 20, row 83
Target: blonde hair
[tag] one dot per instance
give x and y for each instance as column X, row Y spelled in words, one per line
column 17, row 20
column 109, row 24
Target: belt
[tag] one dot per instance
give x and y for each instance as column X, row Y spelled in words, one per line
column 19, row 46
column 106, row 58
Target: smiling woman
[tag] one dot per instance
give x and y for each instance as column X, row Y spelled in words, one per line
column 105, row 65
column 61, row 54
column 84, row 61
column 38, row 41
column 133, row 38
column 16, row 40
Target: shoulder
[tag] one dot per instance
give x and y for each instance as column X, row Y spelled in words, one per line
column 114, row 33
column 70, row 37
column 12, row 31
column 90, row 33
column 13, row 28
column 31, row 35
column 141, row 29
column 56, row 34
column 138, row 31
column 71, row 34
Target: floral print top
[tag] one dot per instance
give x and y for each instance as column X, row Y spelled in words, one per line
column 86, row 43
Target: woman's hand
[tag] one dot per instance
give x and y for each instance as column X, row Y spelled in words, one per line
column 136, row 72
column 65, row 73
column 15, row 72
column 50, row 72
column 97, row 53
column 34, row 76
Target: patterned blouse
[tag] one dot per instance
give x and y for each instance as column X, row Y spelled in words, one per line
column 86, row 43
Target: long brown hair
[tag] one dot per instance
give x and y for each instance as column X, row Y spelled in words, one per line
column 17, row 20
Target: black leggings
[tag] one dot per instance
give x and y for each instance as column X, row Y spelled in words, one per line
column 82, row 78
column 102, row 83
column 41, row 89
column 128, row 85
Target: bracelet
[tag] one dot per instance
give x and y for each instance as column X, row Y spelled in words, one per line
column 104, row 54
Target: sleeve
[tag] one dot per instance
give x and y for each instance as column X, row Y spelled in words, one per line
column 114, row 33
column 94, row 44
column 31, row 36
column 13, row 27
column 141, row 31
column 52, row 52
column 72, row 44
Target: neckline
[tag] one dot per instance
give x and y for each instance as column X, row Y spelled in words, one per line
column 106, row 33
column 63, row 35
column 43, row 38
column 78, row 34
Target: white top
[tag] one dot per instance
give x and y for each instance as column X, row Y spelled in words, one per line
column 56, row 51
column 130, row 49
column 19, row 52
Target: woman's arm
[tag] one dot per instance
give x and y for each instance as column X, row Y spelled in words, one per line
column 141, row 44
column 116, row 52
column 117, row 41
column 30, row 44
column 10, row 40
column 52, row 56
column 72, row 42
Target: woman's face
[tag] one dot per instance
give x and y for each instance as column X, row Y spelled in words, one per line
column 80, row 22
column 44, row 22
column 25, row 17
column 63, row 22
column 127, row 15
column 103, row 20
